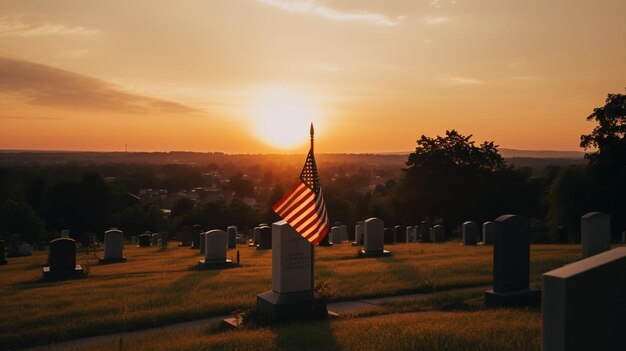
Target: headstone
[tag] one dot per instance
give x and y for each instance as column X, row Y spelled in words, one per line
column 195, row 235
column 185, row 236
column 624, row 237
column 410, row 234
column 561, row 235
column 62, row 260
column 256, row 235
column 145, row 240
column 373, row 238
column 26, row 250
column 425, row 231
column 470, row 233
column 399, row 233
column 265, row 241
column 165, row 238
column 113, row 246
column 292, row 292
column 511, row 262
column 202, row 242
column 388, row 236
column 595, row 231
column 14, row 245
column 438, row 233
column 344, row 232
column 215, row 247
column 134, row 239
column 489, row 232
column 358, row 234
column 351, row 236
column 2, row 253
column 584, row 304
column 154, row 239
column 65, row 233
column 335, row 235
column 232, row 236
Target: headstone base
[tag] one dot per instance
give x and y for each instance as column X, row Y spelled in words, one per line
column 216, row 264
column 114, row 260
column 195, row 247
column 291, row 306
column 252, row 245
column 524, row 297
column 355, row 244
column 383, row 253
column 63, row 273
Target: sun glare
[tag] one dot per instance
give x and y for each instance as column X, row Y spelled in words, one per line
column 282, row 117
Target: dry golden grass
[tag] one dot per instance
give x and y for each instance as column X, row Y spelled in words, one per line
column 485, row 330
column 158, row 287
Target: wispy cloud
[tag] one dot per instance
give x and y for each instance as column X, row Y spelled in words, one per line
column 460, row 81
column 313, row 7
column 15, row 26
column 42, row 85
column 434, row 20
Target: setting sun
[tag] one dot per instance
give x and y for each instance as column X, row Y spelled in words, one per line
column 281, row 116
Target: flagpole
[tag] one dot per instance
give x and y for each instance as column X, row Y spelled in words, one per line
column 312, row 245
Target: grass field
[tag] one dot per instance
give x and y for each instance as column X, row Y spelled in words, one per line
column 156, row 287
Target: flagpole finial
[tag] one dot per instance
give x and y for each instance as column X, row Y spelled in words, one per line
column 312, row 133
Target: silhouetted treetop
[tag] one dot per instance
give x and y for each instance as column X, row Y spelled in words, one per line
column 609, row 136
column 455, row 151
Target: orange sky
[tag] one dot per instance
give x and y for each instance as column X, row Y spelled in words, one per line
column 247, row 76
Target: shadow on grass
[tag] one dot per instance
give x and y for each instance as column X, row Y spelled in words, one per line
column 306, row 336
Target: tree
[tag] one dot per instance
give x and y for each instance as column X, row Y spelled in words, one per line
column 19, row 218
column 451, row 178
column 607, row 164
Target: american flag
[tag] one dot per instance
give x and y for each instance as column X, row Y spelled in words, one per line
column 303, row 206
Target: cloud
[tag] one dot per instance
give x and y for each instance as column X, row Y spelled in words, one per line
column 14, row 26
column 312, row 7
column 42, row 85
column 436, row 20
column 460, row 81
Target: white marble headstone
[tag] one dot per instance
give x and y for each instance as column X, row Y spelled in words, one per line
column 374, row 235
column 113, row 244
column 291, row 260
column 595, row 231
column 215, row 245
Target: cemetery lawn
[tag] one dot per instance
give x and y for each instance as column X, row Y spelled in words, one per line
column 159, row 287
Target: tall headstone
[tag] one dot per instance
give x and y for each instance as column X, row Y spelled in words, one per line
column 154, row 238
column 215, row 247
column 438, row 234
column 113, row 246
column 14, row 245
column 256, row 236
column 62, row 260
column 388, row 236
column 489, row 232
column 145, row 240
column 584, row 304
column 232, row 236
column 399, row 233
column 425, row 231
column 595, row 231
column 185, row 236
column 195, row 236
column 358, row 233
column 470, row 233
column 511, row 264
column 2, row 253
column 265, row 241
column 410, row 234
column 335, row 235
column 292, row 291
column 374, row 238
